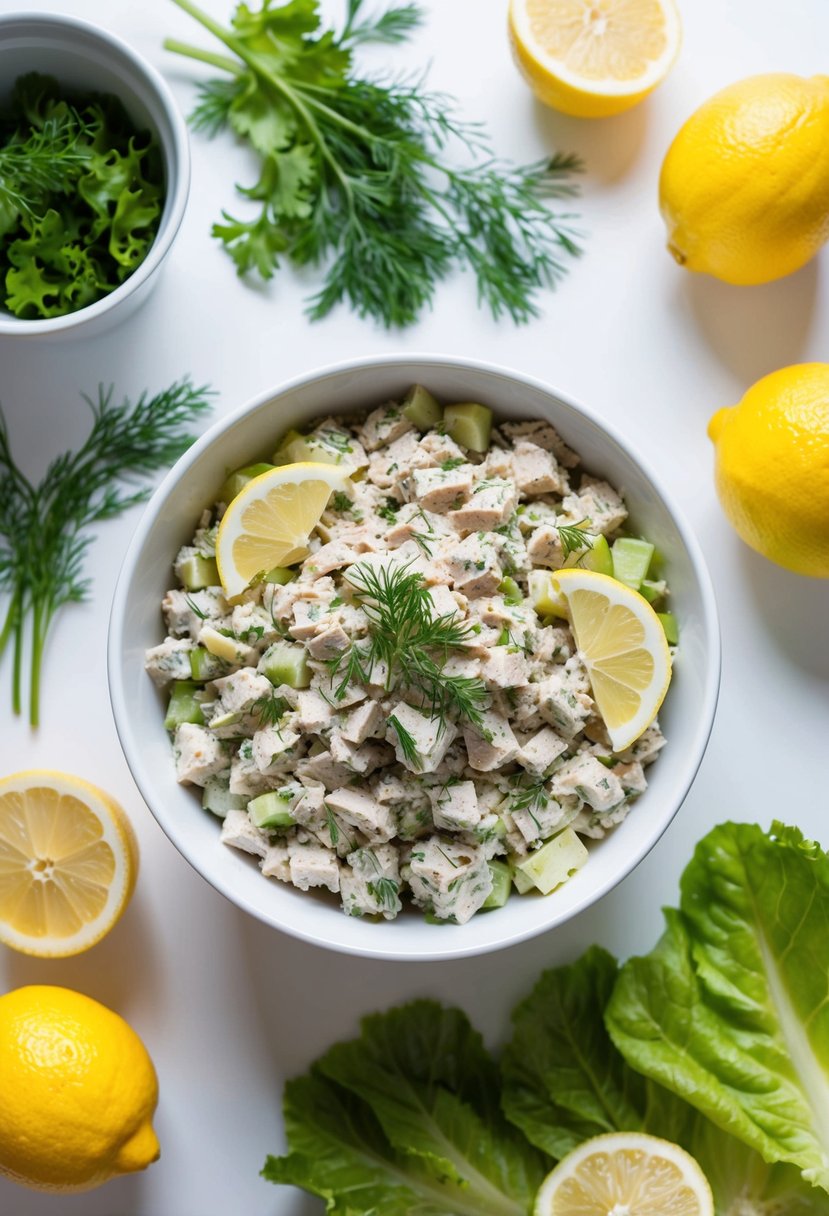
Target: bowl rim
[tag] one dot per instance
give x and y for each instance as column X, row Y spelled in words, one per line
column 177, row 165
column 694, row 750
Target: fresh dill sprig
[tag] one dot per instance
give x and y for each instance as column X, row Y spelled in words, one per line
column 270, row 708
column 378, row 180
column 331, row 823
column 44, row 533
column 49, row 159
column 409, row 644
column 384, row 891
column 529, row 795
column 407, row 744
column 574, row 537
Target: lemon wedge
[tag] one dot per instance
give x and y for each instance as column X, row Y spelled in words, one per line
column 269, row 523
column 622, row 644
column 592, row 58
column 68, row 863
column 626, row 1173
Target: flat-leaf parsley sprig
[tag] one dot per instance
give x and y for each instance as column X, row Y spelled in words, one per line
column 362, row 175
column 44, row 528
column 409, row 646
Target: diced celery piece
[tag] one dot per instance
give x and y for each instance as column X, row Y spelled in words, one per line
column 295, row 448
column 653, row 591
column 268, row 811
column 281, row 575
column 523, row 884
column 431, row 919
column 555, row 862
column 218, row 799
column 510, row 590
column 286, row 663
column 547, row 601
column 237, row 480
column 469, row 425
column 597, row 557
column 204, row 665
column 183, row 705
column 631, row 560
column 223, row 720
column 501, row 876
column 199, row 572
column 420, row 408
column 671, row 627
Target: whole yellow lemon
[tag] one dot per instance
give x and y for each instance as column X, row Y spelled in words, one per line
column 78, row 1092
column 744, row 188
column 772, row 467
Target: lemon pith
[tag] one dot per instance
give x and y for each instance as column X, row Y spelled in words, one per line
column 772, row 467
column 626, row 1172
column 68, row 863
column 270, row 522
column 744, row 187
column 79, row 1091
column 592, row 58
column 623, row 646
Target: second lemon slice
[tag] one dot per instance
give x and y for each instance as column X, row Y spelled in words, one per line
column 594, row 57
column 622, row 643
column 270, row 522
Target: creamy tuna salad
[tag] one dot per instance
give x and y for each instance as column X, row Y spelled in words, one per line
column 401, row 718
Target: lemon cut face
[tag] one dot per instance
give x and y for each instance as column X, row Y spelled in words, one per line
column 626, row 1174
column 68, row 862
column 594, row 57
column 622, row 643
column 270, row 522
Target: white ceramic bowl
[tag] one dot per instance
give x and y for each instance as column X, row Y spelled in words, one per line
column 84, row 56
column 136, row 624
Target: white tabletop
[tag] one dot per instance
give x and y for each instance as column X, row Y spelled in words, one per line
column 227, row 1007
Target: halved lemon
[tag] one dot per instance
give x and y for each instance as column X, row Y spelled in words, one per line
column 622, row 643
column 626, row 1174
column 594, row 57
column 68, row 863
column 269, row 523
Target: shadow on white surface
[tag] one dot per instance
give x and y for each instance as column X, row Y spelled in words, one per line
column 122, row 1197
column 754, row 330
column 801, row 630
column 609, row 148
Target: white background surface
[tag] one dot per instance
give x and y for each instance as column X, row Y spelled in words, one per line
column 227, row 1007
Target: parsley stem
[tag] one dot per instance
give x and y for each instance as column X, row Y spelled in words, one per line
column 17, row 664
column 193, row 52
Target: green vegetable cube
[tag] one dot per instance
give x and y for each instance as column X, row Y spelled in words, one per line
column 554, row 862
column 501, row 876
column 204, row 665
column 653, row 591
column 420, row 408
column 510, row 590
column 183, row 705
column 237, row 481
column 281, row 575
column 671, row 627
column 199, row 572
column 218, row 799
column 596, row 557
column 547, row 600
column 286, row 663
column 523, row 884
column 469, row 425
column 269, row 812
column 631, row 560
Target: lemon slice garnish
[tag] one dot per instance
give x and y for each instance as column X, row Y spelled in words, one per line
column 622, row 644
column 68, row 863
column 594, row 57
column 270, row 522
column 626, row 1174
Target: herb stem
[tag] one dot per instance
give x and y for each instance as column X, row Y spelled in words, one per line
column 193, row 52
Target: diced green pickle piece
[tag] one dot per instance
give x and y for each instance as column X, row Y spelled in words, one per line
column 269, row 812
column 281, row 575
column 420, row 408
column 237, row 481
column 183, row 705
column 286, row 663
column 631, row 560
column 671, row 627
column 501, row 876
column 523, row 884
column 596, row 557
column 204, row 665
column 510, row 590
column 469, row 425
column 199, row 572
column 555, row 862
column 547, row 601
column 218, row 799
column 653, row 591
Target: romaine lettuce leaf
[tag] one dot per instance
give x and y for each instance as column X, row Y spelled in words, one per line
column 731, row 1010
column 406, row 1119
